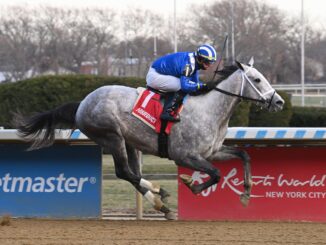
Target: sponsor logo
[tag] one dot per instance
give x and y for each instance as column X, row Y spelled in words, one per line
column 268, row 185
column 146, row 115
column 60, row 184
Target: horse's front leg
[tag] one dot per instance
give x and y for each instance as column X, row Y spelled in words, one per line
column 230, row 152
column 198, row 163
column 134, row 165
column 147, row 188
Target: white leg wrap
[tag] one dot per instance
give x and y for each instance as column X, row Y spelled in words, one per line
column 150, row 197
column 148, row 185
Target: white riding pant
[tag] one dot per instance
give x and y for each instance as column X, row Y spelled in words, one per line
column 162, row 82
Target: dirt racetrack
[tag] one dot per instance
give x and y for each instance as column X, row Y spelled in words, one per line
column 31, row 231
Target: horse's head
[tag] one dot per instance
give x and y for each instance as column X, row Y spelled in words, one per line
column 256, row 87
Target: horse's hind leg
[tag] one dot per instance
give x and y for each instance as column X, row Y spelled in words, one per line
column 146, row 188
column 230, row 152
column 134, row 164
column 199, row 164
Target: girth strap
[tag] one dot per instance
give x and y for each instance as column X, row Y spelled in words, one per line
column 163, row 140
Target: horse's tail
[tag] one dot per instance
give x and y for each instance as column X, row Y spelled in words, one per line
column 40, row 128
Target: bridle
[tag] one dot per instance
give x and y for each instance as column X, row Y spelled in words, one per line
column 245, row 78
column 262, row 99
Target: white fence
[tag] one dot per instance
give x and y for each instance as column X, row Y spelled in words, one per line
column 310, row 88
column 315, row 94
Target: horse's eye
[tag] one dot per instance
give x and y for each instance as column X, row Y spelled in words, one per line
column 257, row 80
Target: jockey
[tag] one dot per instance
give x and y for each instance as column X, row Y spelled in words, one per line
column 178, row 72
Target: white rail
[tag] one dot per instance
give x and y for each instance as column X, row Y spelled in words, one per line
column 264, row 133
column 311, row 88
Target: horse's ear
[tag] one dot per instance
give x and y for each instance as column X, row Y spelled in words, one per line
column 239, row 65
column 251, row 62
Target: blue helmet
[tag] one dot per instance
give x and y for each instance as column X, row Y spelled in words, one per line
column 206, row 53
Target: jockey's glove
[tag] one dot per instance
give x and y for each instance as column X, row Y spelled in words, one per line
column 209, row 86
column 204, row 88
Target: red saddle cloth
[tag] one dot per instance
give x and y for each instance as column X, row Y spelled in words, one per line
column 148, row 109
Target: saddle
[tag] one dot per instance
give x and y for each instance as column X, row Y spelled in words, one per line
column 148, row 108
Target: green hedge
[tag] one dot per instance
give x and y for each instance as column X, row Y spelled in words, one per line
column 44, row 93
column 240, row 117
column 248, row 114
column 308, row 117
column 262, row 118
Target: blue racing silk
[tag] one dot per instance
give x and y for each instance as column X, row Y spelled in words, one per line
column 183, row 66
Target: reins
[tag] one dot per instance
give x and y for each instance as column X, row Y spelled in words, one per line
column 262, row 99
column 240, row 96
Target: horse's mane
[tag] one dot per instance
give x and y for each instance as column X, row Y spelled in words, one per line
column 226, row 72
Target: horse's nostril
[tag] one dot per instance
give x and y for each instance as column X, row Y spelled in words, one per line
column 280, row 102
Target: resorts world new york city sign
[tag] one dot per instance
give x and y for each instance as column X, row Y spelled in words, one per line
column 289, row 183
column 59, row 181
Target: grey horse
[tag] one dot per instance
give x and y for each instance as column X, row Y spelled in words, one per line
column 105, row 117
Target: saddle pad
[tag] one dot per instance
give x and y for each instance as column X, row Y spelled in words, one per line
column 148, row 109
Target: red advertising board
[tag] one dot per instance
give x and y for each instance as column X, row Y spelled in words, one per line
column 289, row 184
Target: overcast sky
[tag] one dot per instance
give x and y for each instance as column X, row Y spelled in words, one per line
column 315, row 10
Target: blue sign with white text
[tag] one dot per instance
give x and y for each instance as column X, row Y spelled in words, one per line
column 60, row 181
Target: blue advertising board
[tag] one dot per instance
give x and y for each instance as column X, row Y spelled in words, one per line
column 60, row 181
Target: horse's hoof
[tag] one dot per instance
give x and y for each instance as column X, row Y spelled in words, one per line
column 186, row 179
column 195, row 189
column 170, row 216
column 244, row 200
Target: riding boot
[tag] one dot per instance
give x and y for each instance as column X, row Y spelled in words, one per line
column 170, row 110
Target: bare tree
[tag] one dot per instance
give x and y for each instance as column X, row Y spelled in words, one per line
column 47, row 38
column 33, row 41
column 139, row 29
column 17, row 30
column 103, row 33
column 316, row 51
column 260, row 30
column 77, row 41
